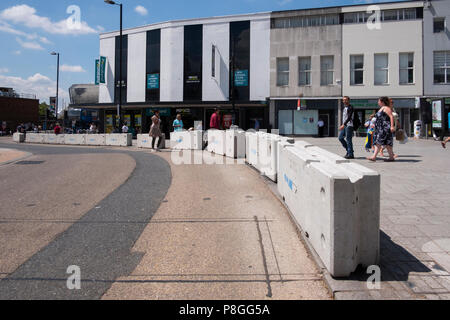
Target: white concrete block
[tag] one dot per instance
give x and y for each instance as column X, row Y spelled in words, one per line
column 75, row 139
column 217, row 141
column 186, row 140
column 96, row 139
column 34, row 138
column 252, row 150
column 268, row 154
column 235, row 144
column 336, row 204
column 19, row 137
column 119, row 139
column 144, row 141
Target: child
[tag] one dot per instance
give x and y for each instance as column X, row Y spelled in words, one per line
column 370, row 125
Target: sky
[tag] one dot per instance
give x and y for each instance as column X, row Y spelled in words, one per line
column 31, row 29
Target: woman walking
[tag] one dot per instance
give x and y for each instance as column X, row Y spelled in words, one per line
column 155, row 130
column 384, row 129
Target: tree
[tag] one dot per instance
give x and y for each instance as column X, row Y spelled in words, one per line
column 42, row 109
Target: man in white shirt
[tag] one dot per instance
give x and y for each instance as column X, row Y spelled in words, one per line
column 125, row 128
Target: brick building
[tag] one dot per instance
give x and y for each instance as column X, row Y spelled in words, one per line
column 17, row 108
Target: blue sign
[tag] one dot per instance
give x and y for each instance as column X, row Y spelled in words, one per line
column 153, row 81
column 241, row 78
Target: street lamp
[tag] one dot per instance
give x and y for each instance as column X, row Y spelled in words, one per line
column 57, row 83
column 119, row 106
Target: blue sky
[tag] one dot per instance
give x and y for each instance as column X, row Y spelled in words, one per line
column 31, row 29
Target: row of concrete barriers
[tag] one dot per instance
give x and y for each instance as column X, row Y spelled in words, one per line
column 335, row 202
column 116, row 139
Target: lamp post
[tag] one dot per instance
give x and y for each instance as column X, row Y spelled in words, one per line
column 119, row 106
column 57, row 83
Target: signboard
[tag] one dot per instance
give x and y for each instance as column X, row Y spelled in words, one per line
column 153, row 81
column 163, row 112
column 241, row 78
column 447, row 100
column 364, row 104
column 100, row 70
column 437, row 114
column 193, row 79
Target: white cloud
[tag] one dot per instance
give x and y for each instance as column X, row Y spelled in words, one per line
column 67, row 68
column 26, row 15
column 4, row 70
column 45, row 40
column 38, row 84
column 141, row 10
column 284, row 2
column 17, row 52
column 29, row 44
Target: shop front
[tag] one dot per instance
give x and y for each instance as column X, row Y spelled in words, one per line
column 294, row 121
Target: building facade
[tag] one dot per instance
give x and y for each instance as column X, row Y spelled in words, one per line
column 190, row 67
column 284, row 70
column 436, row 26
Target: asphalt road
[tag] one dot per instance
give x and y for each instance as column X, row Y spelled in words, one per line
column 100, row 241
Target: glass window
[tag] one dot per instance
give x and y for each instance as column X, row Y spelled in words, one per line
column 438, row 25
column 409, row 14
column 285, row 122
column 390, row 15
column 441, row 66
column 282, row 72
column 406, row 68
column 356, row 69
column 326, row 70
column 350, row 17
column 381, row 69
column 193, row 58
column 304, row 65
column 213, row 61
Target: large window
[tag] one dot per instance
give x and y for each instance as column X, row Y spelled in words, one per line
column 305, row 21
column 381, row 69
column 438, row 25
column 121, row 85
column 153, row 65
column 406, row 68
column 326, row 70
column 282, row 72
column 304, row 68
column 356, row 69
column 385, row 15
column 442, row 67
column 193, row 62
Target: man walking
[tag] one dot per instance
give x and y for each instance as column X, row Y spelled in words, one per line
column 178, row 124
column 214, row 123
column 346, row 130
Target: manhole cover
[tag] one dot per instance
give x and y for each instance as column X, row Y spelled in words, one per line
column 29, row 162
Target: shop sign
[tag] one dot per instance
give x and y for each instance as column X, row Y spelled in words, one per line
column 364, row 104
column 162, row 112
column 193, row 79
column 241, row 78
column 153, row 81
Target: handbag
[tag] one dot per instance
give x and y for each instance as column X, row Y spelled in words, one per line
column 400, row 135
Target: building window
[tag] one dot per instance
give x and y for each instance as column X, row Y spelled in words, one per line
column 406, row 68
column 213, row 61
column 390, row 15
column 305, row 21
column 304, row 68
column 357, row 69
column 381, row 69
column 386, row 15
column 442, row 67
column 326, row 70
column 282, row 72
column 438, row 25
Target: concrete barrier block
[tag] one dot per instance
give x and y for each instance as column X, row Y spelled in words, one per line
column 186, row 140
column 252, row 147
column 144, row 141
column 19, row 137
column 119, row 139
column 34, row 138
column 95, row 139
column 51, row 138
column 235, row 144
column 75, row 139
column 217, row 142
column 336, row 204
column 268, row 155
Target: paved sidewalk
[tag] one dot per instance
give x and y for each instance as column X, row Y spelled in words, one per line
column 415, row 223
column 11, row 155
column 220, row 234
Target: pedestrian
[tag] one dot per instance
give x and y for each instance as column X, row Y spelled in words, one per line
column 57, row 129
column 384, row 129
column 370, row 125
column 93, row 128
column 178, row 124
column 214, row 123
column 125, row 128
column 444, row 142
column 346, row 134
column 321, row 125
column 155, row 131
column 396, row 125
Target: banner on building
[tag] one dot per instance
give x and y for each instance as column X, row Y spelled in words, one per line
column 153, row 81
column 100, row 71
column 241, row 78
column 437, row 114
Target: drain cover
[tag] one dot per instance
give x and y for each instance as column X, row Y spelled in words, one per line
column 29, row 162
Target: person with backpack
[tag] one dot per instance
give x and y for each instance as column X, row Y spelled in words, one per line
column 350, row 124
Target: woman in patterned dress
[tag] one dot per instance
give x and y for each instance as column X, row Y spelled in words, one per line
column 384, row 129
